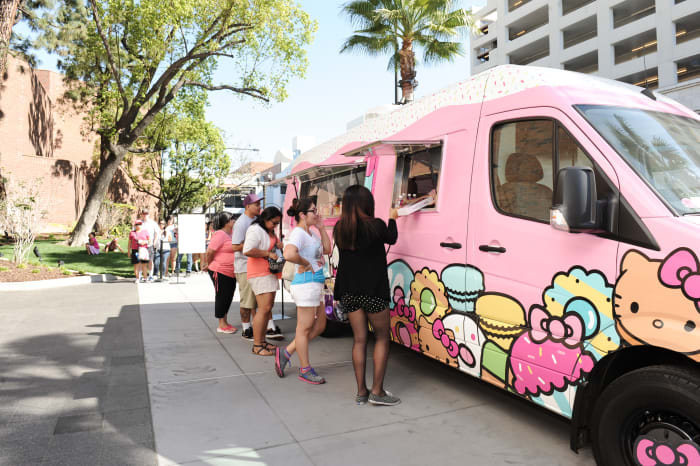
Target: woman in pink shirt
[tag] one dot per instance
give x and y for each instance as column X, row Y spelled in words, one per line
column 219, row 261
column 139, row 238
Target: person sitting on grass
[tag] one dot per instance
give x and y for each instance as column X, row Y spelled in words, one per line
column 113, row 245
column 92, row 246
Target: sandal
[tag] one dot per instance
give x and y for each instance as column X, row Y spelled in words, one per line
column 262, row 350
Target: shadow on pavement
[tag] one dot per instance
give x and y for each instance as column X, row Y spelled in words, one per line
column 77, row 395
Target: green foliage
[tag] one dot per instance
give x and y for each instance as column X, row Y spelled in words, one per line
column 113, row 216
column 36, row 271
column 393, row 27
column 126, row 55
column 192, row 164
column 4, row 269
column 21, row 266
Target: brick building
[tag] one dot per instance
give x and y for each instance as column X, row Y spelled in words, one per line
column 43, row 139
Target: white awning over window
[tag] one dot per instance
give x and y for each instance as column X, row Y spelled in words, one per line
column 396, row 147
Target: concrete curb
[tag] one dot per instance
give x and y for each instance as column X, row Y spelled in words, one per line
column 57, row 282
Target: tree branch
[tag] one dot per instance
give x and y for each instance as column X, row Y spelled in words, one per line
column 110, row 57
column 250, row 91
column 146, row 150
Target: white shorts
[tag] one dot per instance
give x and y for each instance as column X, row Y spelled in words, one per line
column 267, row 284
column 307, row 294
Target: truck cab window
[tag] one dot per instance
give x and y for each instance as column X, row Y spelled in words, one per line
column 522, row 172
column 417, row 174
column 525, row 156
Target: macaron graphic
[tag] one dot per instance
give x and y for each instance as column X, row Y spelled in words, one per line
column 501, row 318
column 463, row 284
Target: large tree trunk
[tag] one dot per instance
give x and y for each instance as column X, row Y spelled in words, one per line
column 8, row 14
column 98, row 190
column 408, row 70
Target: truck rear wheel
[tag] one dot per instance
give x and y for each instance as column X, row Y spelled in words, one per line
column 649, row 416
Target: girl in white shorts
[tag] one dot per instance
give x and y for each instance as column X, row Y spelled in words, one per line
column 305, row 247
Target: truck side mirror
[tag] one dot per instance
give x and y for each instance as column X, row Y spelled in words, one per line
column 574, row 205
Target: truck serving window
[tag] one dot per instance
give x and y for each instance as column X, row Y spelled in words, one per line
column 328, row 190
column 417, row 173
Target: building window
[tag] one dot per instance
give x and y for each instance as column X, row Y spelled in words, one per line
column 580, row 32
column 635, row 47
column 632, row 10
column 688, row 28
column 648, row 78
column 417, row 174
column 567, row 6
column 283, row 189
column 688, row 68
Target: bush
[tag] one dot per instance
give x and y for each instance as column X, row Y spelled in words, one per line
column 21, row 266
column 4, row 269
column 22, row 212
column 36, row 271
column 113, row 218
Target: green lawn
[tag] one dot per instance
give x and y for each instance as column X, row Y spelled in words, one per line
column 77, row 259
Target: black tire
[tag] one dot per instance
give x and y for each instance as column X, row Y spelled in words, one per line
column 654, row 401
column 334, row 329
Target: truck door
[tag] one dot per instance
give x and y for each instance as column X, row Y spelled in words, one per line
column 546, row 294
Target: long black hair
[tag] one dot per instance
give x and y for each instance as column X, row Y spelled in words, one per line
column 221, row 219
column 358, row 209
column 267, row 214
column 300, row 206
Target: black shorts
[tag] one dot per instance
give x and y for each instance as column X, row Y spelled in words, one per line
column 134, row 256
column 370, row 304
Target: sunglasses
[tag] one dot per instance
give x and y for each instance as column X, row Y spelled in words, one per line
column 312, row 211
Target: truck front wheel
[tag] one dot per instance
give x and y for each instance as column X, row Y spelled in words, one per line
column 649, row 416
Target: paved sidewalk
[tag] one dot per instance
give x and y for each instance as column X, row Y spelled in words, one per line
column 72, row 378
column 213, row 402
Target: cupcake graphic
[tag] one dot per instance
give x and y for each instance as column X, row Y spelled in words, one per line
column 463, row 284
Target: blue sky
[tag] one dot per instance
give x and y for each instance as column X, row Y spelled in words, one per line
column 337, row 89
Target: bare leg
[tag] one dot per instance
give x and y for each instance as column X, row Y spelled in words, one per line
column 265, row 302
column 305, row 323
column 358, row 322
column 317, row 329
column 380, row 324
column 245, row 315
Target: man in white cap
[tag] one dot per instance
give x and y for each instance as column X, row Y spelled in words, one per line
column 240, row 264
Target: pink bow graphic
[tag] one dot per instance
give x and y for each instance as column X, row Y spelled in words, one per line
column 680, row 270
column 400, row 307
column 453, row 349
column 439, row 333
column 568, row 328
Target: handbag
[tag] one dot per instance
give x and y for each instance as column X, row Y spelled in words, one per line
column 288, row 271
column 276, row 266
column 143, row 254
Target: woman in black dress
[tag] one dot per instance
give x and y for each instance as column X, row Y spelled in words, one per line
column 362, row 286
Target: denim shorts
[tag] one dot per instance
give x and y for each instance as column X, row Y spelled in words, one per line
column 370, row 304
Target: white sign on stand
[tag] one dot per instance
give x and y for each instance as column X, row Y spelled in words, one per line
column 191, row 234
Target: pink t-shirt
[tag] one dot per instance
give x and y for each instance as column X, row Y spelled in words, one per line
column 135, row 237
column 223, row 253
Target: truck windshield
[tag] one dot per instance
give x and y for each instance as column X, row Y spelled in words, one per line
column 662, row 148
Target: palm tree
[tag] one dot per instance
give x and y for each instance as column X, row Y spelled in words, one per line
column 394, row 26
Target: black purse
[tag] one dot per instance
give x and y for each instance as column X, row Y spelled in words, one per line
column 275, row 266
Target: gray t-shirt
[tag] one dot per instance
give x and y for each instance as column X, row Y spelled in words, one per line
column 240, row 261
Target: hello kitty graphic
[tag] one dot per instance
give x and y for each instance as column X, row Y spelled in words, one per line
column 646, row 292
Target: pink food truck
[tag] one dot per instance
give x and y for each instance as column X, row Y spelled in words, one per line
column 558, row 259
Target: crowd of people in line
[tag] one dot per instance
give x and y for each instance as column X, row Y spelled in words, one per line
column 247, row 252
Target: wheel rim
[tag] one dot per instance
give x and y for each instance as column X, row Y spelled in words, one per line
column 663, row 430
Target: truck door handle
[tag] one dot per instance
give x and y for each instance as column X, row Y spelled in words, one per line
column 451, row 245
column 487, row 248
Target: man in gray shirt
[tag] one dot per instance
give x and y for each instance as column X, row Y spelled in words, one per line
column 240, row 264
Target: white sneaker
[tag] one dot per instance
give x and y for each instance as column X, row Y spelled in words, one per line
column 136, row 280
